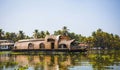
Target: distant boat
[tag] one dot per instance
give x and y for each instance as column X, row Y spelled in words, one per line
column 6, row 45
column 49, row 43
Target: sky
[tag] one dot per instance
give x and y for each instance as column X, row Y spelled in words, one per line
column 80, row 16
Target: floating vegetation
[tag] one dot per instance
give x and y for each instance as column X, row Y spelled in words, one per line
column 11, row 63
column 8, row 63
column 22, row 68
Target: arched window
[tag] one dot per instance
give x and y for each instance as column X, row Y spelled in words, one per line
column 30, row 46
column 62, row 46
column 41, row 45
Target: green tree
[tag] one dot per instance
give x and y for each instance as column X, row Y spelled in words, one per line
column 65, row 31
column 7, row 35
column 21, row 35
column 1, row 34
column 105, row 40
column 13, row 36
column 98, row 39
column 36, row 34
column 27, row 37
column 59, row 32
column 47, row 33
column 42, row 34
column 10, row 36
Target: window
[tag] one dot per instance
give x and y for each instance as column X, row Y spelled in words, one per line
column 30, row 46
column 62, row 46
column 41, row 45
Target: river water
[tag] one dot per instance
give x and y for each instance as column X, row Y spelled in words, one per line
column 91, row 60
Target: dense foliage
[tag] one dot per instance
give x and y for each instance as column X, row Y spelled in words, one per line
column 103, row 39
column 98, row 39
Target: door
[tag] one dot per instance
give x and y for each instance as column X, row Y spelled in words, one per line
column 52, row 45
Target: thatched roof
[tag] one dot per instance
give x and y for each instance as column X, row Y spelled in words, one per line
column 66, row 41
column 31, row 40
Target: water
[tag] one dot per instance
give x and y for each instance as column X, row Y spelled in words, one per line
column 92, row 60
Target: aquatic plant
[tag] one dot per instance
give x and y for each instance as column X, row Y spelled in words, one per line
column 22, row 68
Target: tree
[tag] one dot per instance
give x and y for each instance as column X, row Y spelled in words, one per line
column 1, row 34
column 59, row 32
column 13, row 36
column 36, row 34
column 42, row 34
column 47, row 33
column 65, row 31
column 7, row 35
column 98, row 38
column 10, row 36
column 105, row 40
column 21, row 35
column 27, row 37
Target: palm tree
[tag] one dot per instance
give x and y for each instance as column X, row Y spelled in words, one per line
column 36, row 33
column 1, row 34
column 47, row 33
column 7, row 35
column 65, row 31
column 13, row 36
column 42, row 34
column 21, row 35
column 59, row 32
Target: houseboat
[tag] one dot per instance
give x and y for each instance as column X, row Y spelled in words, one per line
column 49, row 43
column 6, row 45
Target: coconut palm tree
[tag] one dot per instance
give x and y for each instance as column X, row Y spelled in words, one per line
column 7, row 35
column 21, row 35
column 36, row 34
column 1, row 34
column 42, row 34
column 65, row 31
column 47, row 33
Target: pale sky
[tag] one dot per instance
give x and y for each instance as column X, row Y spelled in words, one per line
column 80, row 16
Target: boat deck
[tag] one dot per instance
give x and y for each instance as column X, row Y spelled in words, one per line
column 51, row 50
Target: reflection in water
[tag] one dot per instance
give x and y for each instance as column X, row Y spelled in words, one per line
column 93, row 60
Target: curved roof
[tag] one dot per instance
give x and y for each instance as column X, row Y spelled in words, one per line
column 66, row 41
column 29, row 40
